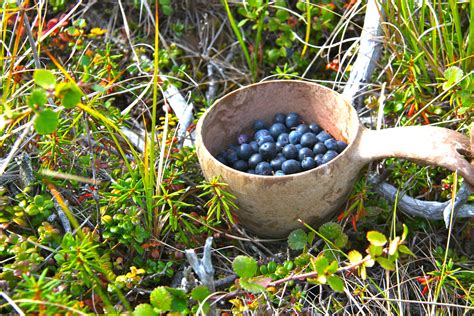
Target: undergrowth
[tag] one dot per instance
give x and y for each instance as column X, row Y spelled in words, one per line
column 99, row 199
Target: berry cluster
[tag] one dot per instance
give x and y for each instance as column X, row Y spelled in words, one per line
column 288, row 146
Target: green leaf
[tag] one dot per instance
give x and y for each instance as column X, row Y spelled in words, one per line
column 405, row 232
column 452, row 75
column 244, row 266
column 336, row 283
column 354, row 256
column 282, row 15
column 242, row 22
column 161, row 299
column 250, row 286
column 385, row 263
column 376, row 238
column 38, row 98
column 166, row 9
column 69, row 93
column 330, row 230
column 404, row 249
column 320, row 264
column 46, row 122
column 144, row 310
column 297, row 239
column 178, row 304
column 200, row 293
column 332, row 267
column 44, row 78
column 341, row 241
column 375, row 251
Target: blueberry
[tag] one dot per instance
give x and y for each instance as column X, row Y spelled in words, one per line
column 240, row 165
column 308, row 140
column 328, row 156
column 308, row 163
column 251, row 171
column 243, row 138
column 222, row 158
column 254, row 160
column 277, row 161
column 245, row 151
column 231, row 156
column 283, row 139
column 264, row 169
column 331, row 144
column 276, row 129
column 303, row 129
column 323, row 136
column 265, row 139
column 261, row 132
column 305, row 152
column 279, row 118
column 279, row 173
column 319, row 148
column 298, row 146
column 315, row 128
column 258, row 125
column 341, row 145
column 319, row 159
column 290, row 166
column 268, row 150
column 254, row 146
column 292, row 120
column 294, row 137
column 290, row 151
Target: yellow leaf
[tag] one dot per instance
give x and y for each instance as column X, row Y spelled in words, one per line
column 97, row 31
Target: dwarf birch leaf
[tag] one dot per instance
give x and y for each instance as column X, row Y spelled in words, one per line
column 44, row 78
column 376, row 238
column 244, row 266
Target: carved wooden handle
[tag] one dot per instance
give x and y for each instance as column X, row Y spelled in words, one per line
column 427, row 145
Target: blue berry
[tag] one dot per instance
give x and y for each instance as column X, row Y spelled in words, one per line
column 305, row 152
column 277, row 162
column 268, row 150
column 329, row 155
column 292, row 120
column 319, row 148
column 331, row 144
column 291, row 166
column 315, row 128
column 319, row 159
column 279, row 118
column 254, row 160
column 279, row 173
column 276, row 129
column 290, row 151
column 264, row 169
column 265, row 139
column 341, row 145
column 308, row 163
column 294, row 137
column 308, row 140
column 323, row 136
column 243, row 138
column 240, row 165
column 303, row 128
column 283, row 139
column 245, row 151
column 258, row 125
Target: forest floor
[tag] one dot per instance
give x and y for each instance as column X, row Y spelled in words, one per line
column 103, row 204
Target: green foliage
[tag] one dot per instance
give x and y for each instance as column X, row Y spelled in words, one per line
column 45, row 294
column 297, row 240
column 44, row 78
column 220, row 202
column 244, row 267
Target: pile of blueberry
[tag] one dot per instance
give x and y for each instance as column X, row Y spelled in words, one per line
column 288, row 146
